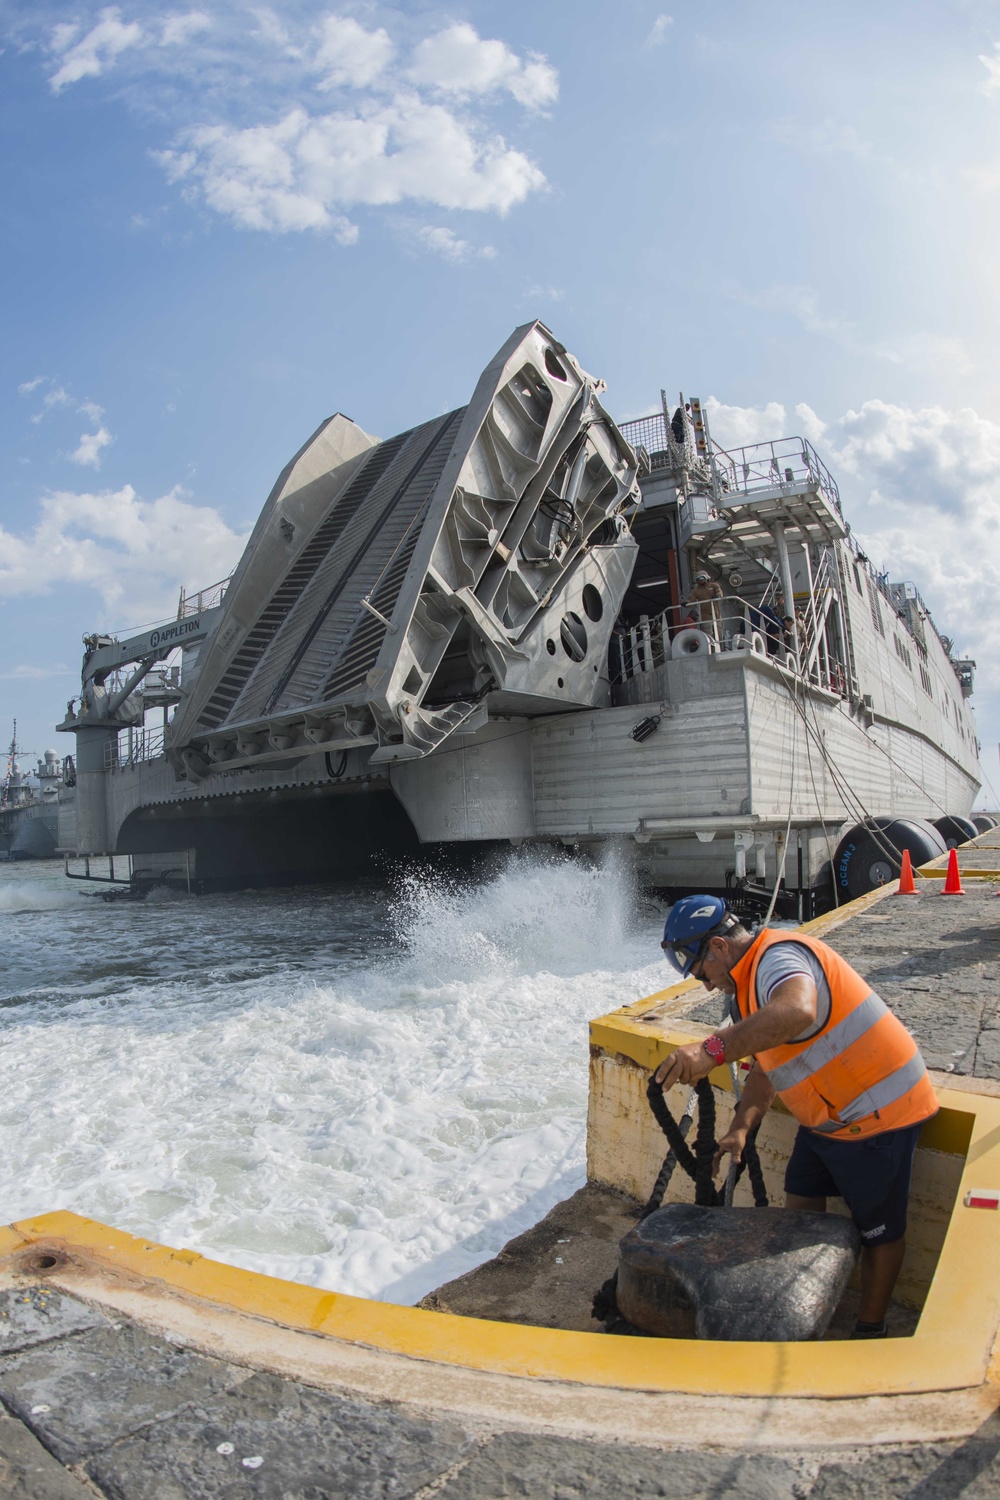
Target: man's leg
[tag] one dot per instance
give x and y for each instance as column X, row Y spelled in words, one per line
column 879, row 1269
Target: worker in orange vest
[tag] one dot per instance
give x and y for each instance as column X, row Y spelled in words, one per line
column 845, row 1067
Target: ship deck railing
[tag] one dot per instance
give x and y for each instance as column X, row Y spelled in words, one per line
column 207, row 598
column 777, row 464
column 739, row 625
column 133, row 747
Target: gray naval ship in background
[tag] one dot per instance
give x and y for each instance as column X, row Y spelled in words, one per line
column 29, row 803
column 478, row 633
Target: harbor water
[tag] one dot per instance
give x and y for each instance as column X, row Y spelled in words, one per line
column 369, row 1088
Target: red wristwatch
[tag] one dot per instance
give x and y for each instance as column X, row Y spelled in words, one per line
column 716, row 1048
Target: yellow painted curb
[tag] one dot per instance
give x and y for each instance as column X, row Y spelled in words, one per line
column 950, row 1350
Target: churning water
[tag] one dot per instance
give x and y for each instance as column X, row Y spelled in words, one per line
column 370, row 1088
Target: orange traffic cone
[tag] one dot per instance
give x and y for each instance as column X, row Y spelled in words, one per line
column 953, row 882
column 906, row 885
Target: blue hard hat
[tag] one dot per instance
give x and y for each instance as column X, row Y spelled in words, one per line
column 690, row 923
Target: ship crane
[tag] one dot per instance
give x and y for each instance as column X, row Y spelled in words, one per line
column 103, row 709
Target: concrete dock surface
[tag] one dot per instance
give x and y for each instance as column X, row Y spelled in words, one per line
column 97, row 1401
column 96, row 1406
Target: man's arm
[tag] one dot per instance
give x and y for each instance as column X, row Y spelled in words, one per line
column 789, row 1012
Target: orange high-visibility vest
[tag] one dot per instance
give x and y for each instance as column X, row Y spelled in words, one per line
column 861, row 1073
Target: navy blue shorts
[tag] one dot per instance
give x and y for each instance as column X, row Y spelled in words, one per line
column 872, row 1176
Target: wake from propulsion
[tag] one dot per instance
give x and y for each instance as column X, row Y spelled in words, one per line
column 367, row 1089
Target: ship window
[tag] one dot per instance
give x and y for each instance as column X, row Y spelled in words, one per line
column 593, row 604
column 550, row 647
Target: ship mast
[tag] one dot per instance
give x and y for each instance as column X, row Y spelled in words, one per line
column 12, row 768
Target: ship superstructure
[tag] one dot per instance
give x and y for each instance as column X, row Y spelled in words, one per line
column 522, row 622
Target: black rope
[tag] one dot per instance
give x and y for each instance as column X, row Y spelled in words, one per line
column 335, row 775
column 697, row 1164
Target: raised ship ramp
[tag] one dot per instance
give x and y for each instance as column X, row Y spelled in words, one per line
column 133, row 1371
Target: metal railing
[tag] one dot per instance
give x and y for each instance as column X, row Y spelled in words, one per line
column 648, row 644
column 133, row 747
column 782, row 463
column 790, row 462
column 206, row 598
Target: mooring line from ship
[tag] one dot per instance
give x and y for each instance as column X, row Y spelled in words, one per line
column 849, row 797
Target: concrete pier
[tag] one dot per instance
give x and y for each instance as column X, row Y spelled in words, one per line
column 131, row 1371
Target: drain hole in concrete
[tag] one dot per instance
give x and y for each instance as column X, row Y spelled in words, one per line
column 44, row 1262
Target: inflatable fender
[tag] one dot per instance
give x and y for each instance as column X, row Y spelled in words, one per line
column 862, row 862
column 984, row 822
column 690, row 643
column 956, row 830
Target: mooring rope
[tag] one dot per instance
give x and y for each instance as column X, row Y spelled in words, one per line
column 697, row 1164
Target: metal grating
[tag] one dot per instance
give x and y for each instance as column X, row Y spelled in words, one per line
column 237, row 674
column 393, row 518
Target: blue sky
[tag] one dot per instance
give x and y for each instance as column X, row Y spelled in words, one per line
column 225, row 221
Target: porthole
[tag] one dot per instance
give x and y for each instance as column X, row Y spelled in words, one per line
column 573, row 634
column 550, row 647
column 559, row 681
column 593, row 604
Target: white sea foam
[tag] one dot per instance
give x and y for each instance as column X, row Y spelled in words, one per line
column 31, row 895
column 366, row 1093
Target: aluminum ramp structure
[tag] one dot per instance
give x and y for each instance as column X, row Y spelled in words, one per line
column 395, row 592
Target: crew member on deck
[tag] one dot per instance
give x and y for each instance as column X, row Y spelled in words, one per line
column 704, row 603
column 845, row 1067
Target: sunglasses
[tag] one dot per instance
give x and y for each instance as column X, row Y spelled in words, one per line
column 684, row 957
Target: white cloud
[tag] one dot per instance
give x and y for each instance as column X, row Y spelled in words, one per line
column 459, row 61
column 739, row 426
column 921, row 489
column 95, row 52
column 992, row 66
column 410, row 118
column 444, row 242
column 922, row 350
column 134, row 554
column 89, row 450
column 537, row 292
column 296, row 174
column 348, row 55
column 27, row 386
column 178, row 30
column 658, row 31
column 91, row 409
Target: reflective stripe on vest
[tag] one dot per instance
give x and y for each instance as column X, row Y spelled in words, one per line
column 829, row 1044
column 881, row 1095
column 862, row 1073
